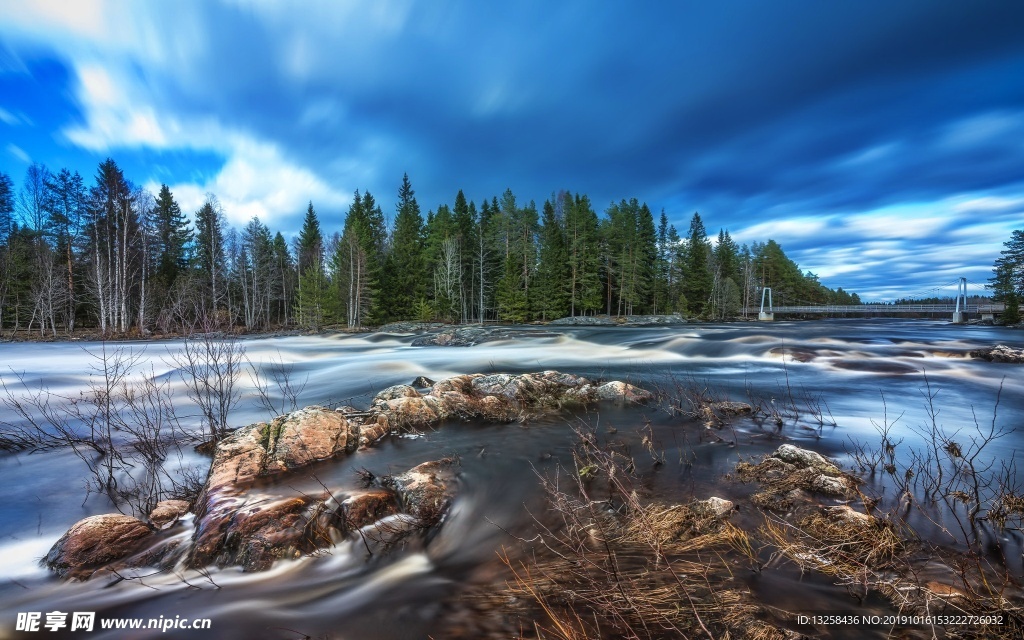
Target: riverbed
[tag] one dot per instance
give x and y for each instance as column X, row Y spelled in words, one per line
column 846, row 376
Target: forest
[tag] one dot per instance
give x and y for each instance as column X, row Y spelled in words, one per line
column 110, row 256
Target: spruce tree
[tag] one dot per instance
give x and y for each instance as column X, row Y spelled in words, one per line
column 697, row 277
column 550, row 297
column 403, row 276
column 173, row 236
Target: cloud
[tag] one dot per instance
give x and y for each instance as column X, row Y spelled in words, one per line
column 9, row 118
column 848, row 125
column 257, row 181
column 19, row 153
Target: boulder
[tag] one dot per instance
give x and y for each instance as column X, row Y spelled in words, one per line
column 1000, row 353
column 283, row 444
column 622, row 392
column 95, row 542
column 167, row 512
column 803, row 459
column 368, row 507
column 425, row 491
column 259, row 535
column 830, row 485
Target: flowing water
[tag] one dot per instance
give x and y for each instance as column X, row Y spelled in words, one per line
column 855, row 373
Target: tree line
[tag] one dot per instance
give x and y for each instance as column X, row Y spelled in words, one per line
column 112, row 256
column 1007, row 281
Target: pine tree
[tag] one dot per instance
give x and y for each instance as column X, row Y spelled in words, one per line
column 550, row 298
column 403, row 275
column 311, row 241
column 312, row 307
column 697, row 277
column 173, row 237
column 1009, row 268
column 583, row 246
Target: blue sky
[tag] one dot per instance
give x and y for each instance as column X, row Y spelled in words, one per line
column 881, row 143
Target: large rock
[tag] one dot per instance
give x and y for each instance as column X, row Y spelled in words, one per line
column 622, row 392
column 425, row 490
column 804, row 458
column 499, row 397
column 283, row 444
column 1000, row 353
column 95, row 542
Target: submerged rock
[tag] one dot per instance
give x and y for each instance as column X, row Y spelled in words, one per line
column 95, row 542
column 1000, row 353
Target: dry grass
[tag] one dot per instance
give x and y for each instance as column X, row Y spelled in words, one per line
column 611, row 565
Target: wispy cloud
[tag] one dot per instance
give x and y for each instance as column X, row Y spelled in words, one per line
column 19, row 153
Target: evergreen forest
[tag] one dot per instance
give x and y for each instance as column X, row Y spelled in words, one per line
column 105, row 254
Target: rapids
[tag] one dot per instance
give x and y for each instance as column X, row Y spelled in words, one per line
column 859, row 372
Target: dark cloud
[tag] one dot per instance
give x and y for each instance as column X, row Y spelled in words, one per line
column 749, row 112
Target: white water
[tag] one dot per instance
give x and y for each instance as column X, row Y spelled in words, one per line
column 851, row 364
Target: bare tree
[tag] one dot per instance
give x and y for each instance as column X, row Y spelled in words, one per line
column 209, row 364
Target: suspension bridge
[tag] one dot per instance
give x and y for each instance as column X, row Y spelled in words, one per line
column 959, row 310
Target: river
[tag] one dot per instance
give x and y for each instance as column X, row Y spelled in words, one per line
column 856, row 373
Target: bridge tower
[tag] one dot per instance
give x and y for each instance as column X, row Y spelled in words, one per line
column 960, row 315
column 766, row 316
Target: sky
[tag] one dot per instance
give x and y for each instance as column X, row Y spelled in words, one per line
column 880, row 143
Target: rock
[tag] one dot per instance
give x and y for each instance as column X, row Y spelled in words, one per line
column 397, row 391
column 803, row 458
column 425, row 490
column 846, row 514
column 731, row 408
column 422, row 382
column 368, row 507
column 829, row 485
column 469, row 336
column 95, row 542
column 714, row 507
column 286, row 443
column 259, row 535
column 167, row 512
column 622, row 392
column 1000, row 353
